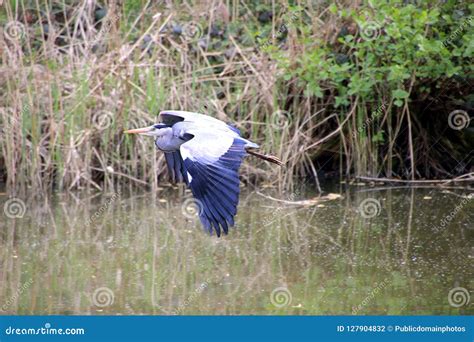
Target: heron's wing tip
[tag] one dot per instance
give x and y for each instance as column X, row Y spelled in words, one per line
column 214, row 181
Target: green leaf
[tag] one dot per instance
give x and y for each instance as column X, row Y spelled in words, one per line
column 398, row 103
column 378, row 137
column 400, row 94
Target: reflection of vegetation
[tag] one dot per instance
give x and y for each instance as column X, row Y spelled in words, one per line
column 386, row 73
column 154, row 260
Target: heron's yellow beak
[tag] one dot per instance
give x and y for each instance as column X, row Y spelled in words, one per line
column 144, row 130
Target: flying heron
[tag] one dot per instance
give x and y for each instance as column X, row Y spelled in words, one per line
column 205, row 153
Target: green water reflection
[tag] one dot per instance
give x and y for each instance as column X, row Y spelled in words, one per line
column 141, row 255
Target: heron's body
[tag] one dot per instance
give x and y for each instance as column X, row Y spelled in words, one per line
column 206, row 154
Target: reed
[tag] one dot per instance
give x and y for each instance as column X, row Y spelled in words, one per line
column 75, row 74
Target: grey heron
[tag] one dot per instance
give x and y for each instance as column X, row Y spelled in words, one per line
column 205, row 153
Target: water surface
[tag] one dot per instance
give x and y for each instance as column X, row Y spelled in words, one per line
column 138, row 254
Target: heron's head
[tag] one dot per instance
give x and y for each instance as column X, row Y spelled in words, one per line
column 151, row 131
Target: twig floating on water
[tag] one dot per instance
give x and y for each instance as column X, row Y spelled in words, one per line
column 468, row 177
column 308, row 202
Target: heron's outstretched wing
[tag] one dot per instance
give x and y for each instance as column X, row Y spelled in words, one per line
column 212, row 163
column 170, row 117
column 176, row 167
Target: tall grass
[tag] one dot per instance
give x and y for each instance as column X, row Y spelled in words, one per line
column 78, row 73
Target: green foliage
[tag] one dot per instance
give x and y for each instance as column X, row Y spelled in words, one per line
column 395, row 45
column 382, row 53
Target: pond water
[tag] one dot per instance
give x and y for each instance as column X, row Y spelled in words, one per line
column 372, row 251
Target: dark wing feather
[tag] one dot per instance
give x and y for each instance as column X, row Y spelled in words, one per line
column 170, row 118
column 235, row 129
column 214, row 179
column 176, row 167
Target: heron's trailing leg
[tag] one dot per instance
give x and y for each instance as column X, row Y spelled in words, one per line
column 266, row 157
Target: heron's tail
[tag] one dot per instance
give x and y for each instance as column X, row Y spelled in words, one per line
column 271, row 159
